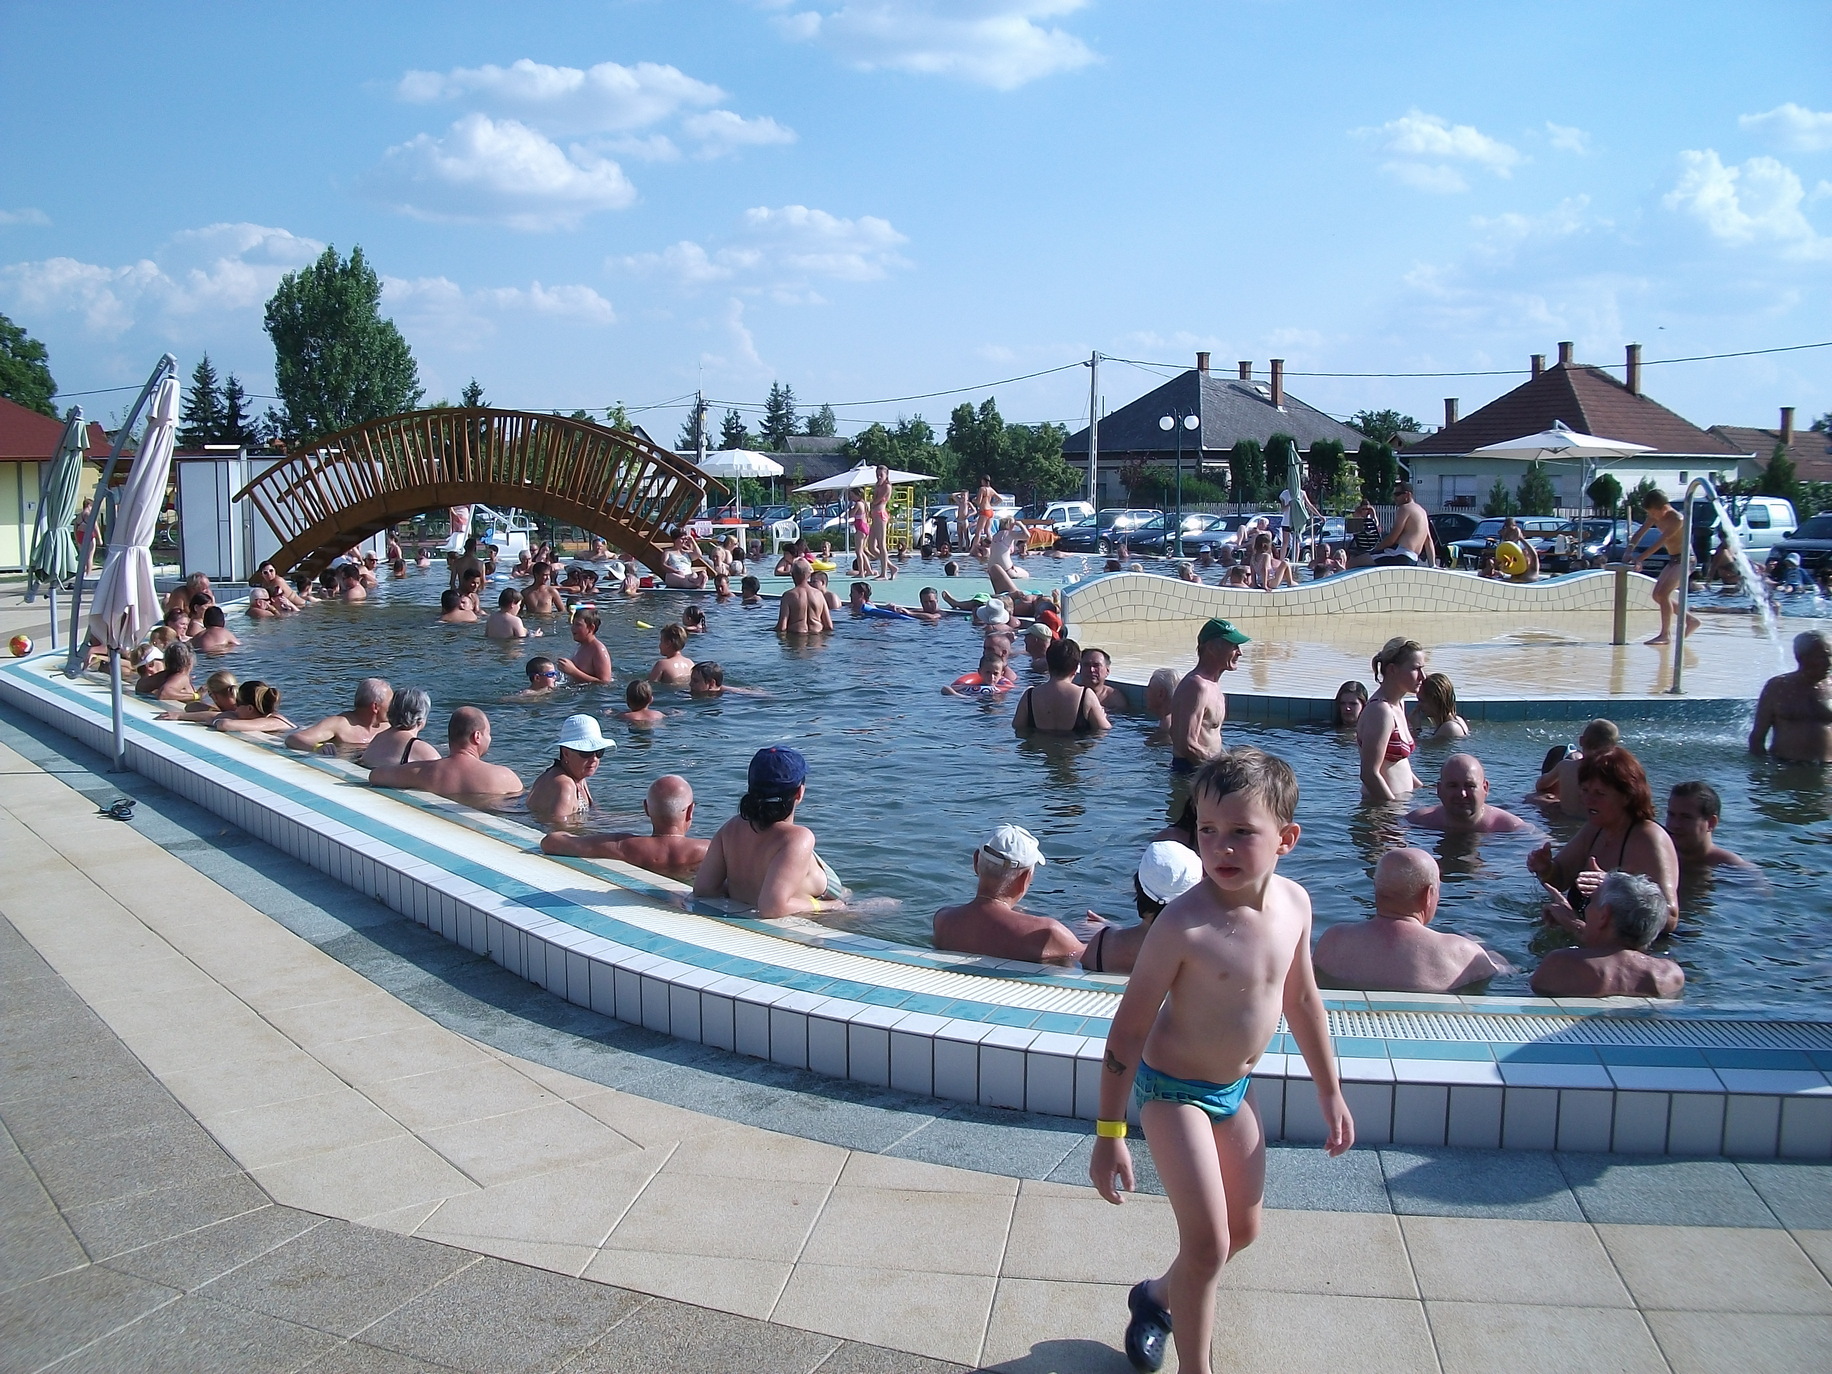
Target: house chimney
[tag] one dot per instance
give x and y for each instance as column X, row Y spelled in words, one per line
column 1450, row 411
column 1246, row 370
column 1539, row 363
column 1278, row 382
column 1202, row 363
column 1631, row 375
column 1564, row 352
column 1787, row 425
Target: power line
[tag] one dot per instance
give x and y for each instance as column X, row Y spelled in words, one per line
column 1512, row 371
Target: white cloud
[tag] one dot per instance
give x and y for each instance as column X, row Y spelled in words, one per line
column 721, row 131
column 1759, row 202
column 1430, row 153
column 25, row 216
column 197, row 275
column 1567, row 139
column 501, row 171
column 460, row 318
column 996, row 43
column 783, row 251
column 1793, row 127
column 607, row 98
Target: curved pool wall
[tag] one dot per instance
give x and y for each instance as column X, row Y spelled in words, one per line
column 1627, row 1076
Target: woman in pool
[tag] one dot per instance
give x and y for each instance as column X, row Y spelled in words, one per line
column 1381, row 734
column 1437, row 716
column 257, row 711
column 1620, row 835
column 1351, row 696
column 401, row 742
column 1059, row 707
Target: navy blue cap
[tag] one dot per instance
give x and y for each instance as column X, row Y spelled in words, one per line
column 777, row 772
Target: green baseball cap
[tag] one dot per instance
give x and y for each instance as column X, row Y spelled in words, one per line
column 1220, row 629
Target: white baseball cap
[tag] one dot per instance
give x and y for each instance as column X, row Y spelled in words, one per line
column 582, row 735
column 1016, row 846
column 1168, row 870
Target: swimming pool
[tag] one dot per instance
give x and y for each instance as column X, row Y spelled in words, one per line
column 904, row 782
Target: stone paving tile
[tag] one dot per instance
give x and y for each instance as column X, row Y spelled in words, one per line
column 749, row 1287
column 192, row 1260
column 571, row 1206
column 927, row 1232
column 204, row 1337
column 855, row 1358
column 1494, row 1338
column 45, row 1321
column 364, row 1179
column 668, row 1338
column 338, row 1277
column 942, row 1316
column 696, row 1214
column 1022, row 1148
column 108, row 1228
column 1818, row 1246
column 1712, row 1342
column 1700, row 1269
column 1677, row 1192
column 1057, row 1328
column 494, row 1317
column 354, row 1357
column 131, row 1103
column 1458, row 1259
column 1354, row 1254
column 1297, row 1177
column 1799, row 1194
column 1517, row 1184
column 81, row 1171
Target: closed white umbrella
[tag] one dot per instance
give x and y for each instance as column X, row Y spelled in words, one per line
column 53, row 560
column 126, row 604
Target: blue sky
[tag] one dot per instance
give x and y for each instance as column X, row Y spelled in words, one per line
column 627, row 199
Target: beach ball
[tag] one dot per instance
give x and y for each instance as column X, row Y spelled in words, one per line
column 20, row 645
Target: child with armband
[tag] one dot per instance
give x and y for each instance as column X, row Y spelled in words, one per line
column 1219, row 966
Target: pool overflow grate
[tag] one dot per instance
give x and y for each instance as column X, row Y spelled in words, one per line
column 1601, row 1029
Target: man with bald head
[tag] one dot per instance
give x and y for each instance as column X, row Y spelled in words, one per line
column 668, row 848
column 1463, row 807
column 355, row 727
column 463, row 775
column 1395, row 950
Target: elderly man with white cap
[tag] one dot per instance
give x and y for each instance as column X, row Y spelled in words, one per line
column 991, row 923
column 564, row 790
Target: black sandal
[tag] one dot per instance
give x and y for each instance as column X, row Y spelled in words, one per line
column 1148, row 1331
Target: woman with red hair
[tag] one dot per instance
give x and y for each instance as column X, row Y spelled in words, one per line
column 1620, row 835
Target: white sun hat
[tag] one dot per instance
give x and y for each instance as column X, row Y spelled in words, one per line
column 1169, row 870
column 582, row 735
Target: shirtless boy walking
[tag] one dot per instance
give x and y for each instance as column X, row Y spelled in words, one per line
column 1216, row 970
column 1664, row 554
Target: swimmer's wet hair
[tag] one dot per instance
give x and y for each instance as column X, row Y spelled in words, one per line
column 750, row 586
column 510, row 596
column 1710, row 804
column 639, row 695
column 1599, row 735
column 1437, row 698
column 673, row 636
column 1255, row 772
column 538, row 666
column 1392, row 652
column 1637, row 908
column 586, row 616
column 265, row 699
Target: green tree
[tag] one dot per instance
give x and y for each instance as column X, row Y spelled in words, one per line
column 337, row 362
column 824, row 423
column 1281, row 456
column 202, row 417
column 25, row 370
column 616, row 416
column 1822, row 424
column 1638, row 498
column 1030, row 463
column 1536, row 494
column 689, row 437
column 1325, row 470
column 779, row 416
column 238, row 426
column 1383, row 425
column 1779, row 477
column 471, row 398
column 1247, row 473
column 732, row 433
column 910, row 446
column 976, row 438
column 1500, row 500
column 1378, row 469
column 1605, row 493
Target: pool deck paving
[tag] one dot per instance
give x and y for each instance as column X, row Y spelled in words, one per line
column 256, row 1122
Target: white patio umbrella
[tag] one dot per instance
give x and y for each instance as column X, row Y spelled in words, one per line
column 864, row 475
column 1561, row 442
column 727, row 465
column 125, row 604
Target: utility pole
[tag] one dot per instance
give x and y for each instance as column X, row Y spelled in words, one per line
column 1094, row 430
column 699, row 428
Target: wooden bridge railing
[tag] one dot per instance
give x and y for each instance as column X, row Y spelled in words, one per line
column 354, row 483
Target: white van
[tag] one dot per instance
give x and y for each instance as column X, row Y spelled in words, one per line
column 1761, row 522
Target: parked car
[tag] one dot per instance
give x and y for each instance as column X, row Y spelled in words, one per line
column 1096, row 535
column 1150, row 536
column 1469, row 552
column 1056, row 514
column 1447, row 527
column 1812, row 541
column 1761, row 522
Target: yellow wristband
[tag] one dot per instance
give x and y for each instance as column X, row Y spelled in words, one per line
column 1110, row 1130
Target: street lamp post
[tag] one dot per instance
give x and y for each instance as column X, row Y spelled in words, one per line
column 1178, row 423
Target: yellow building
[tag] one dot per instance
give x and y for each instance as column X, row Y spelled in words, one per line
column 28, row 441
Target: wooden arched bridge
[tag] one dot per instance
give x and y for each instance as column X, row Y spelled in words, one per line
column 359, row 481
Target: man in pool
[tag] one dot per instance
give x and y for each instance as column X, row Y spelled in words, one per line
column 365, row 719
column 1796, row 707
column 1558, row 782
column 802, row 610
column 591, row 662
column 470, row 583
column 1693, row 811
column 673, row 668
column 1095, row 665
column 564, row 789
column 453, row 611
column 1661, row 557
column 544, row 676
column 350, row 583
column 1395, row 950
column 1199, row 708
column 173, row 681
column 1463, row 807
column 542, row 597
column 463, row 774
column 750, row 592
column 1626, row 914
column 505, row 621
column 991, row 923
column 216, row 637
column 761, row 858
column 668, row 849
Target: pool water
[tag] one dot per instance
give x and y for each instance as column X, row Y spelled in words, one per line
column 904, row 782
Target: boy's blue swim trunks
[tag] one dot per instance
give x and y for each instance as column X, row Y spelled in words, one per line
column 1219, row 1100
